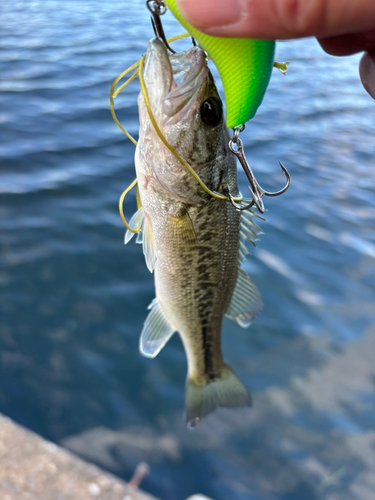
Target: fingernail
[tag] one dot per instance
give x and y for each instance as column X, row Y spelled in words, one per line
column 211, row 13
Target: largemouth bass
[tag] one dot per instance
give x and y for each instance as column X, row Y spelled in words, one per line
column 193, row 242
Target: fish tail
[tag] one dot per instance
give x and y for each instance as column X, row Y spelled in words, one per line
column 206, row 394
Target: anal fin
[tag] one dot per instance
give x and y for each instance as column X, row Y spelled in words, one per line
column 156, row 331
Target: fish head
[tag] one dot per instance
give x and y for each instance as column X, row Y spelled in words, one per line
column 189, row 113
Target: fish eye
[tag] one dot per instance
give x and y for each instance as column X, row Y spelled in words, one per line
column 212, row 111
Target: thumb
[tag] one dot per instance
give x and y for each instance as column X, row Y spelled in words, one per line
column 367, row 72
column 279, row 19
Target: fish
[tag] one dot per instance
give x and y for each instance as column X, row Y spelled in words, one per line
column 194, row 243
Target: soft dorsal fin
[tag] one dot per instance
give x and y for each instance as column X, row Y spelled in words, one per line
column 156, row 331
column 248, row 233
column 135, row 222
column 246, row 301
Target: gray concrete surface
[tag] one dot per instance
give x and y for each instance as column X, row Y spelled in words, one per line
column 32, row 468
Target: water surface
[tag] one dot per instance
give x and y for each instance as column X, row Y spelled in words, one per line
column 73, row 299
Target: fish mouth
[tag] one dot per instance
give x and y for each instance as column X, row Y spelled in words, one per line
column 174, row 80
column 190, row 73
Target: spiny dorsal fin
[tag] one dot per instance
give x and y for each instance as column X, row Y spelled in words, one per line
column 242, row 250
column 248, row 232
column 156, row 331
column 135, row 222
column 246, row 301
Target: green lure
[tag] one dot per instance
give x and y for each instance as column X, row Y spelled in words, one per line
column 244, row 67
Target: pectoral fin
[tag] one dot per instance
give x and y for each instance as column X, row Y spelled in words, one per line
column 246, row 301
column 147, row 238
column 156, row 331
column 182, row 229
column 148, row 244
column 139, row 239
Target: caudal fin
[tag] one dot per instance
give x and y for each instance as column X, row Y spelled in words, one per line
column 226, row 391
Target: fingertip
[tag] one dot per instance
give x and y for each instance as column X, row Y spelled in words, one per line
column 262, row 19
column 226, row 18
column 367, row 72
column 208, row 14
column 278, row 19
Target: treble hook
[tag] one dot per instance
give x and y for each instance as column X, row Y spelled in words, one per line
column 157, row 9
column 256, row 191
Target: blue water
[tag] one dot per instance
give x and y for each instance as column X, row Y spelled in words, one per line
column 73, row 299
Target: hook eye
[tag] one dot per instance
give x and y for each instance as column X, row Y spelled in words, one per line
column 157, row 9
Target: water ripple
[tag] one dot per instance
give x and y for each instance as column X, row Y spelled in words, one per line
column 73, row 299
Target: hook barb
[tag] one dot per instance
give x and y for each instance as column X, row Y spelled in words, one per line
column 278, row 193
column 256, row 191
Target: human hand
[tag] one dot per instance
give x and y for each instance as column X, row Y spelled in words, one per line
column 342, row 27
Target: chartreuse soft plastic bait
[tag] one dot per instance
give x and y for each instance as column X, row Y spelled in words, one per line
column 244, row 67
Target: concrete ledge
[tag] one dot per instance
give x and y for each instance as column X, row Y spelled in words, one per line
column 32, row 468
